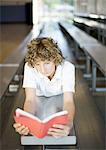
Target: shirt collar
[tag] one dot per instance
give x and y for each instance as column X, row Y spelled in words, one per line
column 57, row 74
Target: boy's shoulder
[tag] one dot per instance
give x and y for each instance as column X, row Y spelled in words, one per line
column 27, row 66
column 67, row 64
column 30, row 68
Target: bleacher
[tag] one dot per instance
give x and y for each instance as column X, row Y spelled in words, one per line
column 94, row 28
column 93, row 50
column 12, row 67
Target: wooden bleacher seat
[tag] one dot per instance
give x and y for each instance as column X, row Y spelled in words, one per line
column 92, row 48
column 49, row 141
column 14, row 63
column 93, row 25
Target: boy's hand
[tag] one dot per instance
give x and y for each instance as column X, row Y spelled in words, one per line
column 59, row 130
column 21, row 129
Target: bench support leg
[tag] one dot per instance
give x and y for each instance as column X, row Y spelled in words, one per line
column 43, row 147
column 93, row 76
column 104, row 37
column 94, row 88
column 87, row 74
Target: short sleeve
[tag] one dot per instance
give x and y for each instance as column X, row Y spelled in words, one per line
column 68, row 79
column 29, row 80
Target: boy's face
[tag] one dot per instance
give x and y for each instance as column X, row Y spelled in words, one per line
column 47, row 68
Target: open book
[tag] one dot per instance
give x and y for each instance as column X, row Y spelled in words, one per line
column 37, row 127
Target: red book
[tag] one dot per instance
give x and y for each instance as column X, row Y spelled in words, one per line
column 37, row 127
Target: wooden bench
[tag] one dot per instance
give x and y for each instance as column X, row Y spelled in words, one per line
column 94, row 17
column 14, row 63
column 92, row 25
column 93, row 50
column 49, row 142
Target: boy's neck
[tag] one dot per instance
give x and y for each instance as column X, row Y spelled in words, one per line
column 52, row 75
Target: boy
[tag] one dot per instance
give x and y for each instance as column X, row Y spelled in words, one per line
column 49, row 82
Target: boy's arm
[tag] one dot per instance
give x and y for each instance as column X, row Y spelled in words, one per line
column 30, row 104
column 64, row 130
column 69, row 106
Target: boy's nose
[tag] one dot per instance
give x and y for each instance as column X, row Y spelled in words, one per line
column 42, row 69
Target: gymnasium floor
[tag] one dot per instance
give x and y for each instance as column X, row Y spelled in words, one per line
column 11, row 36
column 89, row 122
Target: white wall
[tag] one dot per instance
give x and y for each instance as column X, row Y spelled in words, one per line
column 101, row 7
column 90, row 6
column 80, row 6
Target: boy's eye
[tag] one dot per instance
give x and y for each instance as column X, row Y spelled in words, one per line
column 37, row 64
column 47, row 62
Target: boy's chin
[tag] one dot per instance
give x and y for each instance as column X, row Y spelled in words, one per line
column 47, row 74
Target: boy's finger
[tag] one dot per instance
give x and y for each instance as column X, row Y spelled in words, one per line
column 19, row 129
column 56, row 134
column 15, row 125
column 25, row 131
column 56, row 130
column 60, row 126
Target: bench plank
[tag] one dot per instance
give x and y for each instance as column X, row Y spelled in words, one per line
column 10, row 66
column 78, row 35
column 49, row 140
column 90, row 23
column 98, row 54
column 89, row 44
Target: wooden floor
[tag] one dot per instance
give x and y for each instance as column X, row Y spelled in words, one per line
column 89, row 122
column 11, row 36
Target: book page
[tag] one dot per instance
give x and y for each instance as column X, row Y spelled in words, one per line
column 54, row 115
column 20, row 112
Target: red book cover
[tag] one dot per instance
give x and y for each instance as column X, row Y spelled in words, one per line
column 37, row 127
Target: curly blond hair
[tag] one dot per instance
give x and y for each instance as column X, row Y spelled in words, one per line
column 43, row 49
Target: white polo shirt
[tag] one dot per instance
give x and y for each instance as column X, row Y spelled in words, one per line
column 62, row 81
